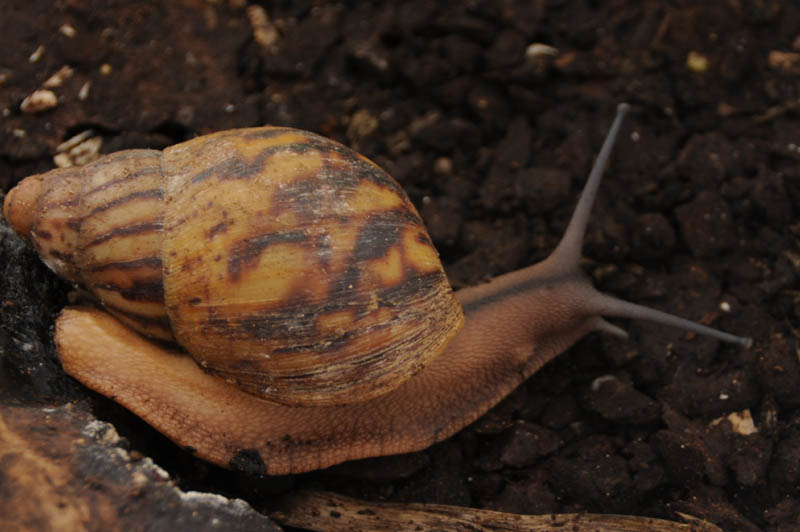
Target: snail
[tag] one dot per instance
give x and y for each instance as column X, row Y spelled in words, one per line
column 299, row 277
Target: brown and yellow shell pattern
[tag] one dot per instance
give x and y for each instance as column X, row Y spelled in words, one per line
column 282, row 261
column 99, row 226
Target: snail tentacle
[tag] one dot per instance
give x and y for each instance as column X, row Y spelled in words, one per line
column 570, row 249
column 567, row 255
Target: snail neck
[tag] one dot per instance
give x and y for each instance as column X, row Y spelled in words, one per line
column 518, row 322
column 531, row 314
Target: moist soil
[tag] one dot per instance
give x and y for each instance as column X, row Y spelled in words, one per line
column 489, row 113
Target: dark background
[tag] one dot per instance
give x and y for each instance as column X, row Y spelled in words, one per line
column 492, row 144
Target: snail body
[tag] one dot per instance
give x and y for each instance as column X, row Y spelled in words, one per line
column 243, row 226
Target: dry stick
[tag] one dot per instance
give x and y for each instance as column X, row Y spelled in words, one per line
column 331, row 512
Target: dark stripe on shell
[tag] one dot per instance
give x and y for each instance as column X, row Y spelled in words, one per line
column 237, row 168
column 142, row 291
column 294, row 324
column 139, row 194
column 130, row 230
column 232, row 168
column 61, row 204
column 302, row 197
column 148, row 262
column 380, row 232
column 64, row 257
column 423, row 238
column 349, row 168
column 344, row 288
column 244, row 253
column 374, row 174
column 217, row 229
column 323, row 247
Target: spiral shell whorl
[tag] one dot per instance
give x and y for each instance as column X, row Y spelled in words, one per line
column 120, row 238
column 314, row 268
column 99, row 227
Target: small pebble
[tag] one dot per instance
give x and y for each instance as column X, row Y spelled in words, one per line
column 67, row 31
column 785, row 61
column 84, row 92
column 58, row 79
column 538, row 49
column 37, row 54
column 696, row 62
column 741, row 422
column 264, row 32
column 39, row 100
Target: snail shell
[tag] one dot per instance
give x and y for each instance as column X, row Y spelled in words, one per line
column 282, row 261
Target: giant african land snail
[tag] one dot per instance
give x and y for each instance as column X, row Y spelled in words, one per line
column 300, row 278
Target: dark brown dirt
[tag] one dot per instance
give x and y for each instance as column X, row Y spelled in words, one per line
column 699, row 208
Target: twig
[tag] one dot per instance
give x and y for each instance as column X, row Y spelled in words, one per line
column 330, row 512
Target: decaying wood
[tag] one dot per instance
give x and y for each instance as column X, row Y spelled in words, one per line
column 330, row 512
column 61, row 469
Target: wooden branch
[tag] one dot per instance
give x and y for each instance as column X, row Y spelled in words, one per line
column 330, row 512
